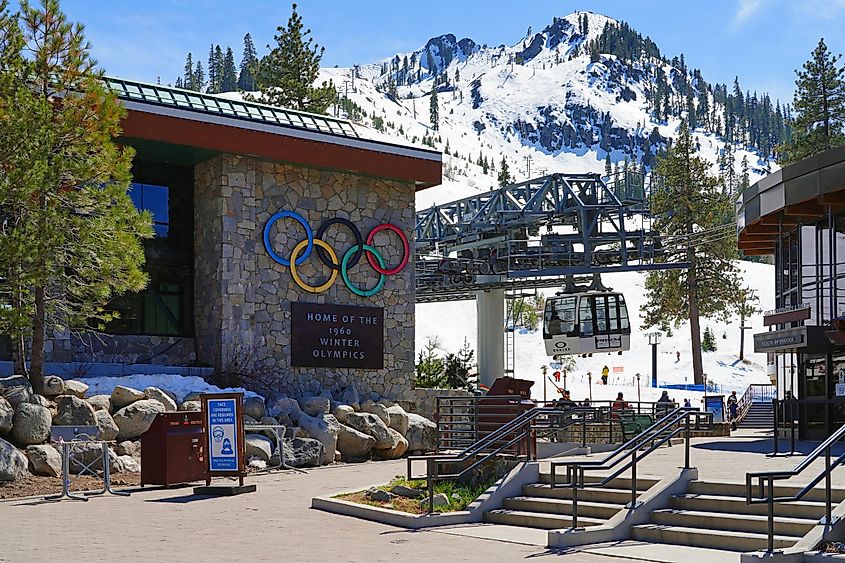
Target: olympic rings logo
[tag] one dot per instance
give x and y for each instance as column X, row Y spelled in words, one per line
column 350, row 258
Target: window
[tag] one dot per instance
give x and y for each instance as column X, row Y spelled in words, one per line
column 154, row 199
column 586, row 317
column 165, row 307
column 561, row 316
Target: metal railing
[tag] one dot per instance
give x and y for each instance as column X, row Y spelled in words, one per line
column 755, row 393
column 672, row 424
column 506, row 439
column 767, row 494
column 462, row 421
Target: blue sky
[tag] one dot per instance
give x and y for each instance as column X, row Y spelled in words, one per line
column 762, row 41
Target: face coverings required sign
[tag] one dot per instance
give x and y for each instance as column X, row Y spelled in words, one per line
column 223, row 444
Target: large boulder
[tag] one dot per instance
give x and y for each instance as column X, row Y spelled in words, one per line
column 304, row 452
column 323, row 429
column 123, row 396
column 255, row 407
column 136, row 418
column 13, row 462
column 422, row 434
column 7, row 413
column 376, row 409
column 45, row 460
column 195, row 406
column 106, row 427
column 31, row 424
column 162, row 397
column 125, row 448
column 73, row 387
column 341, row 411
column 350, row 397
column 354, row 445
column 129, row 464
column 16, row 389
column 192, row 396
column 397, row 451
column 371, row 424
column 398, row 419
column 88, row 456
column 100, row 402
column 286, row 406
column 53, row 386
column 256, row 445
column 315, row 406
column 73, row 411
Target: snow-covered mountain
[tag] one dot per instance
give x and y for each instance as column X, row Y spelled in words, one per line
column 552, row 101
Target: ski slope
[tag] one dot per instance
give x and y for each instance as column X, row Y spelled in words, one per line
column 452, row 322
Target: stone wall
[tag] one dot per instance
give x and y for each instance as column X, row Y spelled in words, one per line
column 242, row 309
column 119, row 349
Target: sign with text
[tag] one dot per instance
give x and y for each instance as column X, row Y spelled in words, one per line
column 337, row 336
column 224, row 431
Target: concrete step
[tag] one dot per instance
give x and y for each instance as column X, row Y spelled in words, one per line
column 738, row 490
column 737, row 505
column 590, row 509
column 537, row 520
column 643, row 483
column 752, row 523
column 602, row 494
column 715, row 539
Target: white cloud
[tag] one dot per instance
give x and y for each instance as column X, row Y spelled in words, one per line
column 747, row 8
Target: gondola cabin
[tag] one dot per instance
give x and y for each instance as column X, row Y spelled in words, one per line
column 586, row 323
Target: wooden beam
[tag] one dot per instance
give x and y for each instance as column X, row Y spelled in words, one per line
column 758, row 252
column 834, row 199
column 758, row 229
column 805, row 209
column 776, row 220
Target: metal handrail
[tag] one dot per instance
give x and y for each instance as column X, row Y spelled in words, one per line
column 767, row 392
column 521, row 427
column 656, row 435
column 772, row 476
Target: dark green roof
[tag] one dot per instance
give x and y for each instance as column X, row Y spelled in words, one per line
column 209, row 104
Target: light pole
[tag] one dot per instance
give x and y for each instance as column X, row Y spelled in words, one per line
column 590, row 384
column 654, row 339
column 544, row 369
column 564, row 379
column 638, row 388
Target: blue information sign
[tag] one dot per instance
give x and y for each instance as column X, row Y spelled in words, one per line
column 223, row 444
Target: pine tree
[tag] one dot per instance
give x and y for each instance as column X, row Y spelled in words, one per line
column 218, row 61
column 249, row 61
column 213, row 76
column 199, row 77
column 434, row 111
column 608, row 167
column 708, row 343
column 819, row 103
column 188, row 77
column 504, row 173
column 70, row 236
column 744, row 179
column 178, row 83
column 229, row 81
column 689, row 202
column 286, row 75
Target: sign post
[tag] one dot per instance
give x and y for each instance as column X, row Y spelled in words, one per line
column 223, row 428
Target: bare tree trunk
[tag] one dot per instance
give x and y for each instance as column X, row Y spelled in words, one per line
column 36, row 373
column 20, row 355
column 694, row 327
column 742, row 337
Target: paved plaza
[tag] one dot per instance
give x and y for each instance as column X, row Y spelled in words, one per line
column 276, row 523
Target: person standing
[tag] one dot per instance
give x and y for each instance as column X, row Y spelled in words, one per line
column 605, row 371
column 677, row 356
column 733, row 409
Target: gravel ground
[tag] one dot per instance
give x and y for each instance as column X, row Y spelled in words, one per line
column 37, row 486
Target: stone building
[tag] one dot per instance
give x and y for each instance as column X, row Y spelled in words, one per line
column 233, row 187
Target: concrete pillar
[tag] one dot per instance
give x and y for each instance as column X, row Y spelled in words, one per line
column 490, row 317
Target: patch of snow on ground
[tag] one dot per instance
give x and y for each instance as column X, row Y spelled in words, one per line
column 179, row 385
